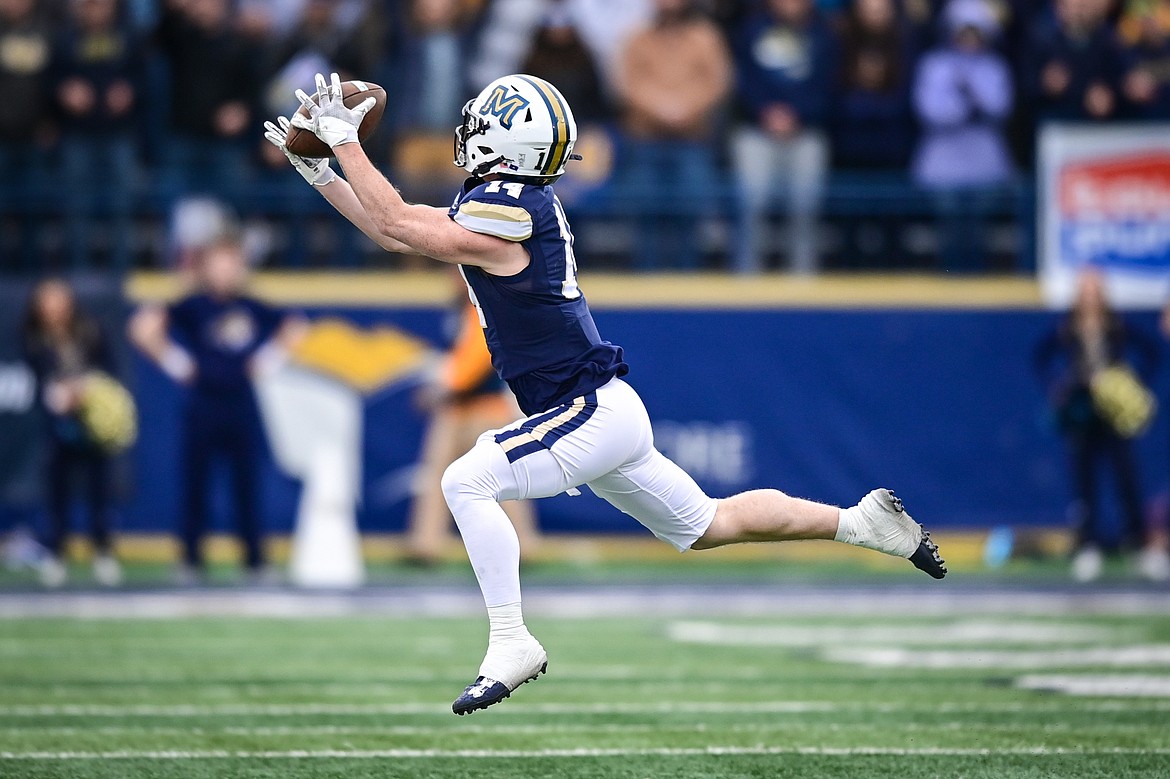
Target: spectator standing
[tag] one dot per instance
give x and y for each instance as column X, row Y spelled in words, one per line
column 335, row 34
column 872, row 123
column 1074, row 65
column 560, row 56
column 326, row 36
column 963, row 97
column 1145, row 31
column 63, row 346
column 98, row 83
column 435, row 56
column 213, row 81
column 1089, row 340
column 673, row 77
column 26, row 51
column 787, row 56
column 211, row 341
column 605, row 27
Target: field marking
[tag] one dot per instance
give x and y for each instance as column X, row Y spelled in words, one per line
column 458, row 728
column 584, row 602
column 1099, row 685
column 367, row 754
column 568, row 709
column 391, row 682
column 966, row 632
column 990, row 659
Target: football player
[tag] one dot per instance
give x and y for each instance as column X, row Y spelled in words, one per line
column 507, row 232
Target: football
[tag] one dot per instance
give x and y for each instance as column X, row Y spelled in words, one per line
column 305, row 144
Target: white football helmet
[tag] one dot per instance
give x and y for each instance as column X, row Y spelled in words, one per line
column 518, row 126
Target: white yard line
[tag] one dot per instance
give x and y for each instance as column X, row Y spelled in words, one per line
column 1005, row 631
column 567, row 709
column 582, row 602
column 368, row 754
column 1099, row 685
column 458, row 728
column 1157, row 655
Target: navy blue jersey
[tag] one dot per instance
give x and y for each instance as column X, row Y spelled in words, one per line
column 542, row 337
column 222, row 336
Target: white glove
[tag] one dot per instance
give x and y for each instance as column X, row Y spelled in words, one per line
column 314, row 170
column 328, row 118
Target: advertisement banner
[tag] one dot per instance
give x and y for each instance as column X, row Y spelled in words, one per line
column 1104, row 203
column 942, row 405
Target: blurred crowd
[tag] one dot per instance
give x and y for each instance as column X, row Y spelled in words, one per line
column 689, row 109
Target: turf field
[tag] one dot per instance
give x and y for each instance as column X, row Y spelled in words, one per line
column 645, row 680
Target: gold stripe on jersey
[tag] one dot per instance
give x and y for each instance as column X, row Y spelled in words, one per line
column 560, row 122
column 512, row 223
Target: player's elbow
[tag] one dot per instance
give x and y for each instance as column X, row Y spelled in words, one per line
column 388, row 228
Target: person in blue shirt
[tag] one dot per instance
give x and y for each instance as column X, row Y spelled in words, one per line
column 210, row 342
column 510, row 237
column 786, row 58
column 1074, row 63
column 871, row 122
column 1144, row 32
column 98, row 73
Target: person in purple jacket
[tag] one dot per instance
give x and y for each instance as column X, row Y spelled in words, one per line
column 963, row 97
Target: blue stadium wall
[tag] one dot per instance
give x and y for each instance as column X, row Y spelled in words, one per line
column 936, row 399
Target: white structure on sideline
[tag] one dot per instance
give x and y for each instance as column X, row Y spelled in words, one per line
column 314, row 425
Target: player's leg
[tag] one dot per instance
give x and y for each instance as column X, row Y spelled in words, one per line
column 879, row 522
column 474, row 485
column 664, row 498
column 769, row 515
column 539, row 457
column 491, row 414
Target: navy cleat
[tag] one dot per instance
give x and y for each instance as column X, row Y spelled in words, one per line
column 926, row 557
column 484, row 692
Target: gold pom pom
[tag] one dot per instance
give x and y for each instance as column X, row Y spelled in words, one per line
column 107, row 413
column 1123, row 401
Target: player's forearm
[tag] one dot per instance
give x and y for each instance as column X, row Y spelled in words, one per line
column 417, row 226
column 426, row 230
column 341, row 196
column 381, row 201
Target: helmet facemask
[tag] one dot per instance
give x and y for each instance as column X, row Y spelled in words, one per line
column 472, row 126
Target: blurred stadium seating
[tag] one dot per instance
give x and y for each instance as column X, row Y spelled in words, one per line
column 70, row 164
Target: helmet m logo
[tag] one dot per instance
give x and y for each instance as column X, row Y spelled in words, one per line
column 499, row 104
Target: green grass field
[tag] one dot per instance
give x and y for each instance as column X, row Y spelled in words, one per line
column 887, row 694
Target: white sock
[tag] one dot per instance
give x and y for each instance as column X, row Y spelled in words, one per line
column 506, row 623
column 891, row 534
column 849, row 523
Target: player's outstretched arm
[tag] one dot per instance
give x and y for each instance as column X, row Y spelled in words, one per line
column 334, row 189
column 426, row 230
